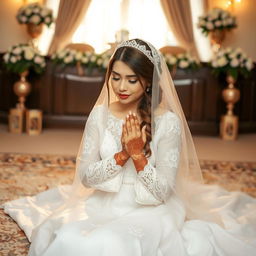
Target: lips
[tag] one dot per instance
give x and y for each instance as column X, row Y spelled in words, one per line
column 123, row 96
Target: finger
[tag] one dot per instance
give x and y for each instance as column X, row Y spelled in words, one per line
column 137, row 126
column 133, row 128
column 128, row 125
column 144, row 136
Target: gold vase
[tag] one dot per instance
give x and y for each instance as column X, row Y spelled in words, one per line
column 229, row 121
column 217, row 37
column 22, row 88
column 34, row 30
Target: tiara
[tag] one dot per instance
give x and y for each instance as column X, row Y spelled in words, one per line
column 152, row 55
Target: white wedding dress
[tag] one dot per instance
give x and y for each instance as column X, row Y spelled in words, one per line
column 132, row 214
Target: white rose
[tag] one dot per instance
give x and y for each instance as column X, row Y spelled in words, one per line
column 210, row 17
column 105, row 63
column 209, row 25
column 28, row 54
column 172, row 60
column 36, row 10
column 61, row 54
column 6, row 57
column 201, row 23
column 218, row 23
column 23, row 19
column 35, row 19
column 73, row 53
column 28, row 11
column 224, row 15
column 38, row 60
column 249, row 64
column 47, row 20
column 93, row 58
column 78, row 56
column 225, row 22
column 88, row 54
column 45, row 12
column 13, row 59
column 229, row 21
column 214, row 15
column 99, row 62
column 84, row 60
column 222, row 61
column 16, row 50
column 183, row 64
column 214, row 63
column 232, row 55
column 68, row 59
column 234, row 63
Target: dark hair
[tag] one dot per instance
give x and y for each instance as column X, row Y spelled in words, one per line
column 143, row 68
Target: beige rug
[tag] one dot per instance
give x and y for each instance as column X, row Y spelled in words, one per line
column 22, row 175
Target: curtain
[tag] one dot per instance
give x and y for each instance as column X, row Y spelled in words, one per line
column 178, row 15
column 70, row 14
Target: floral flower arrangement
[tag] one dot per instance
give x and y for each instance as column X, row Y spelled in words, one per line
column 70, row 57
column 22, row 57
column 36, row 14
column 232, row 62
column 216, row 19
column 182, row 61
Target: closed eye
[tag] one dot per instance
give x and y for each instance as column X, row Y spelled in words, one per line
column 115, row 78
column 133, row 81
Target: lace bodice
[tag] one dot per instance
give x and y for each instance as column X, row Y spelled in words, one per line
column 98, row 169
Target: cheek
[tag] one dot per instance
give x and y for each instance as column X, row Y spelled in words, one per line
column 138, row 90
column 114, row 85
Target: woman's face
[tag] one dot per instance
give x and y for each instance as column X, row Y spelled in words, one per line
column 126, row 84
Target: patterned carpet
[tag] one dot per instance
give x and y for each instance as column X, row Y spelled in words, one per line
column 23, row 175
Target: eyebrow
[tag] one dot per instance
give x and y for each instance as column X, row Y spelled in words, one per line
column 129, row 76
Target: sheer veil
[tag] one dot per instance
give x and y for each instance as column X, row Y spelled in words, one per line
column 189, row 182
column 46, row 212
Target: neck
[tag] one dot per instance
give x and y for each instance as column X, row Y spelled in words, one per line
column 133, row 107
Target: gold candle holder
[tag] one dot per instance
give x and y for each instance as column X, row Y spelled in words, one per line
column 34, row 121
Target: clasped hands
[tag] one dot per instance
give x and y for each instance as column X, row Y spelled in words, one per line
column 133, row 140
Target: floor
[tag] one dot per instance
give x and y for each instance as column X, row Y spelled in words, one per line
column 66, row 142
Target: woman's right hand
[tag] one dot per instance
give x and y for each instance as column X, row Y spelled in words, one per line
column 122, row 156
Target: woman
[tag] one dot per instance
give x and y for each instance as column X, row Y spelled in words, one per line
column 137, row 157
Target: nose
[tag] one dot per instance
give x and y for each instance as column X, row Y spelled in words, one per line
column 122, row 86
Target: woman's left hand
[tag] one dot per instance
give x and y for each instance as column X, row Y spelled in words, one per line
column 134, row 138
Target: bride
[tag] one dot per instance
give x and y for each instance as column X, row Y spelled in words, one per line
column 138, row 186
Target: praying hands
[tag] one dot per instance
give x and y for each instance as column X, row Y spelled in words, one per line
column 133, row 140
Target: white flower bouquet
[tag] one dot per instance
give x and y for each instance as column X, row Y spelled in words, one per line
column 22, row 57
column 216, row 19
column 36, row 14
column 181, row 61
column 70, row 57
column 232, row 62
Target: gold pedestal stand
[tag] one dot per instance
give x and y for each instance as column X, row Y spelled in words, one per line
column 22, row 88
column 229, row 122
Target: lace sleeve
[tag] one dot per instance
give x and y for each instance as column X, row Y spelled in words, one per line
column 158, row 181
column 93, row 171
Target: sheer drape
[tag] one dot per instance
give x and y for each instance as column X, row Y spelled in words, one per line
column 178, row 14
column 69, row 17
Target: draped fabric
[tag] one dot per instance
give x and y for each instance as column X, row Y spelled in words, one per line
column 70, row 14
column 178, row 15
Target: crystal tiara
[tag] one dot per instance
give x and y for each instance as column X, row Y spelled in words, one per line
column 152, row 55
